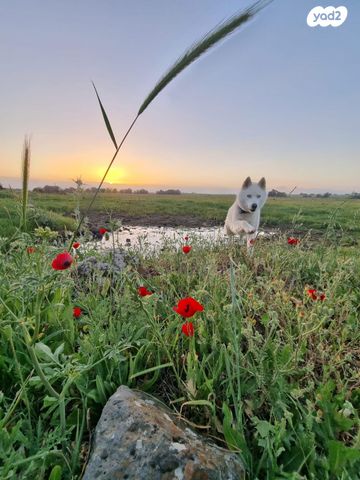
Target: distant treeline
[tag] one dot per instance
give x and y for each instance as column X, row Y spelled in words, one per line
column 277, row 194
column 141, row 191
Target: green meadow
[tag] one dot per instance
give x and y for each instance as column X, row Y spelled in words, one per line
column 272, row 372
column 302, row 214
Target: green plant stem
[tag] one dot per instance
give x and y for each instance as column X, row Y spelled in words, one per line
column 12, row 408
column 37, row 366
column 18, row 368
column 37, row 318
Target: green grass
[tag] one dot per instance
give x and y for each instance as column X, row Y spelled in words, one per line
column 295, row 212
column 37, row 216
column 270, row 372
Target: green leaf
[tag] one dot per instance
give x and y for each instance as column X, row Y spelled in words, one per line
column 234, row 439
column 106, row 119
column 152, row 369
column 263, row 427
column 55, row 473
column 49, row 401
column 45, row 351
column 340, row 455
column 100, row 388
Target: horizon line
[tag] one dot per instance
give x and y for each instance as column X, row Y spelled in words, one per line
column 210, row 190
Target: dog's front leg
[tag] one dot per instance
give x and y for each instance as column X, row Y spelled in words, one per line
column 250, row 241
column 243, row 226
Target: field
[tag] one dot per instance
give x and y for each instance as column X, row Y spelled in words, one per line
column 272, row 370
column 301, row 214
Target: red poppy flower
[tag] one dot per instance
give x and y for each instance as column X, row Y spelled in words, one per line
column 143, row 291
column 30, row 249
column 102, row 231
column 188, row 329
column 293, row 241
column 312, row 293
column 76, row 245
column 77, row 312
column 315, row 295
column 187, row 307
column 252, row 241
column 62, row 261
column 186, row 248
column 186, row 238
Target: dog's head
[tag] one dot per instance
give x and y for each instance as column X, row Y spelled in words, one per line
column 252, row 196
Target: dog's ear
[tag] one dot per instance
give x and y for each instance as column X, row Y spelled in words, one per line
column 262, row 183
column 247, row 183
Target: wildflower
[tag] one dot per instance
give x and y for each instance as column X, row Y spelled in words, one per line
column 312, row 293
column 293, row 241
column 187, row 307
column 143, row 291
column 186, row 238
column 76, row 245
column 102, row 231
column 252, row 241
column 62, row 261
column 188, row 329
column 77, row 312
column 186, row 248
column 30, row 249
column 315, row 295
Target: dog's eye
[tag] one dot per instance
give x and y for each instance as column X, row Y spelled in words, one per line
column 249, row 196
column 258, row 196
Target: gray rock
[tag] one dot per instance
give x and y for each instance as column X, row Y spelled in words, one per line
column 103, row 265
column 137, row 438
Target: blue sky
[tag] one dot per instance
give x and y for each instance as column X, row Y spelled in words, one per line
column 276, row 99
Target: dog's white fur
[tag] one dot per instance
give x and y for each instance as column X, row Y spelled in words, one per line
column 244, row 214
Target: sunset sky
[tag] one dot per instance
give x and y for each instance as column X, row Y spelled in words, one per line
column 276, row 99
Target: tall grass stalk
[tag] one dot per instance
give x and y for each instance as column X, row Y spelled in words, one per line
column 195, row 51
column 25, row 182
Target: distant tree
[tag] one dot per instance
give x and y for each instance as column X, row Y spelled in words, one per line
column 52, row 189
column 125, row 190
column 323, row 195
column 141, row 191
column 1, row 187
column 307, row 195
column 276, row 193
column 170, row 191
column 355, row 195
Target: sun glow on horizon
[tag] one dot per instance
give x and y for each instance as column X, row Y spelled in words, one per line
column 115, row 175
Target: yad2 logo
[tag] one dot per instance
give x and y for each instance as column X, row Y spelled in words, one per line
column 334, row 16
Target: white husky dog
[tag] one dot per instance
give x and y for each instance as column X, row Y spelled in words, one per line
column 244, row 213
